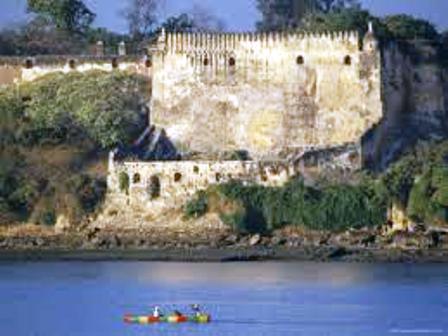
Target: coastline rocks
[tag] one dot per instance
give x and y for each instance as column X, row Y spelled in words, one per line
column 406, row 240
column 255, row 240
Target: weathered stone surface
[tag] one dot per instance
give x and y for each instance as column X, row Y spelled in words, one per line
column 260, row 96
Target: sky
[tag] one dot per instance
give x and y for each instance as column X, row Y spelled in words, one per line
column 238, row 15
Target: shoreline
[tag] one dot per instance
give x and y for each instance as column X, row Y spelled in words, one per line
column 327, row 254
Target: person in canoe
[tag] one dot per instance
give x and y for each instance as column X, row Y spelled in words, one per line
column 177, row 313
column 157, row 313
column 196, row 309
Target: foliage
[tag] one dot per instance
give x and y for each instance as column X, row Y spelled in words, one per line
column 180, row 23
column 124, row 182
column 141, row 16
column 104, row 107
column 204, row 19
column 18, row 192
column 68, row 15
column 327, row 6
column 334, row 208
column 351, row 19
column 288, row 14
column 406, row 27
column 429, row 197
column 89, row 191
column 197, row 207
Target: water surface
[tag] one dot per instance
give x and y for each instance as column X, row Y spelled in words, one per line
column 75, row 298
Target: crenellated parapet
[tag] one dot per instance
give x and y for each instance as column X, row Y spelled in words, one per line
column 211, row 42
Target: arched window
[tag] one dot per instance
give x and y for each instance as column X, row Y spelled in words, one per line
column 177, row 177
column 148, row 63
column 137, row 178
column 218, row 177
column 72, row 64
column 29, row 63
column 347, row 60
column 196, row 169
column 114, row 63
column 154, row 187
column 300, row 60
column 206, row 61
column 232, row 62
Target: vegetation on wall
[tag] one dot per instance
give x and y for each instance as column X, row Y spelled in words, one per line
column 123, row 182
column 105, row 108
column 258, row 209
column 418, row 183
column 54, row 137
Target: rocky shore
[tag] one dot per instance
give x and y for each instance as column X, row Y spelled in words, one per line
column 222, row 245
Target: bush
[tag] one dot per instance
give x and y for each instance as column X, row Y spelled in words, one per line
column 48, row 218
column 428, row 200
column 106, row 108
column 333, row 208
column 90, row 191
column 197, row 207
column 123, row 181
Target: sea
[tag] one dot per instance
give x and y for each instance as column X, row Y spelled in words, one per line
column 243, row 299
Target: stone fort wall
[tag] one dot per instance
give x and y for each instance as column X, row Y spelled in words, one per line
column 26, row 69
column 178, row 181
column 265, row 93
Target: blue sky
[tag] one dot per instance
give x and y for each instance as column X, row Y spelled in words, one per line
column 239, row 15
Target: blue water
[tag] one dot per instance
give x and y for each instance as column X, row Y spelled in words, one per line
column 244, row 298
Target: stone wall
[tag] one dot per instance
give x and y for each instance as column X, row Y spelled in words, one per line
column 265, row 92
column 18, row 69
column 180, row 180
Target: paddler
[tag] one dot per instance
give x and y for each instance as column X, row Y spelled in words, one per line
column 196, row 309
column 157, row 312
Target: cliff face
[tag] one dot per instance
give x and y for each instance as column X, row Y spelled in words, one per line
column 415, row 100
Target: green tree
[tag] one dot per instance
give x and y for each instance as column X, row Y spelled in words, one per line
column 347, row 19
column 328, row 6
column 406, row 27
column 288, row 14
column 141, row 16
column 68, row 15
column 180, row 23
column 105, row 108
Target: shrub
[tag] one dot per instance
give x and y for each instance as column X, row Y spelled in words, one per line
column 123, row 181
column 48, row 218
column 197, row 207
column 429, row 197
column 103, row 107
column 334, row 208
column 90, row 192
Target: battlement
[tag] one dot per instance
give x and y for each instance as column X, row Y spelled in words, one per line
column 190, row 42
column 51, row 60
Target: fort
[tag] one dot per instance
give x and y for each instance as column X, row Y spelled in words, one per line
column 292, row 102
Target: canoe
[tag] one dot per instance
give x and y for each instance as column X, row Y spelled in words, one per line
column 136, row 319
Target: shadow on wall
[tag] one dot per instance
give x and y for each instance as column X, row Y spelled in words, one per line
column 153, row 145
column 415, row 96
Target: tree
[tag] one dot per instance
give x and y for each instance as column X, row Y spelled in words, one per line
column 327, row 6
column 344, row 20
column 283, row 14
column 68, row 15
column 204, row 19
column 288, row 14
column 181, row 23
column 141, row 16
column 406, row 27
